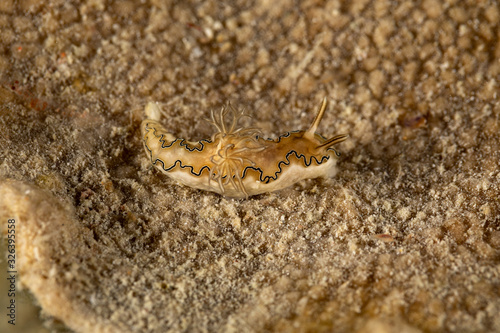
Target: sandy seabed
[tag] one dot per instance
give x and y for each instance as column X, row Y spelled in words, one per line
column 406, row 237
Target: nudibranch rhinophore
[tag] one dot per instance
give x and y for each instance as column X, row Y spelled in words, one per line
column 237, row 162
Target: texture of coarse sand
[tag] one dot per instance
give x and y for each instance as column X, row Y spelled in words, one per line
column 405, row 238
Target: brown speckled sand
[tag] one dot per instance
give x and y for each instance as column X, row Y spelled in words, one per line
column 406, row 237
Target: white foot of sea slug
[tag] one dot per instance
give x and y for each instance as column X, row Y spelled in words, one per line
column 237, row 162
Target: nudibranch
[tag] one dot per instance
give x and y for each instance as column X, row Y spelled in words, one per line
column 237, row 162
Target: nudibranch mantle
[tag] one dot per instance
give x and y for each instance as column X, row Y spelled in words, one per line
column 237, row 162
